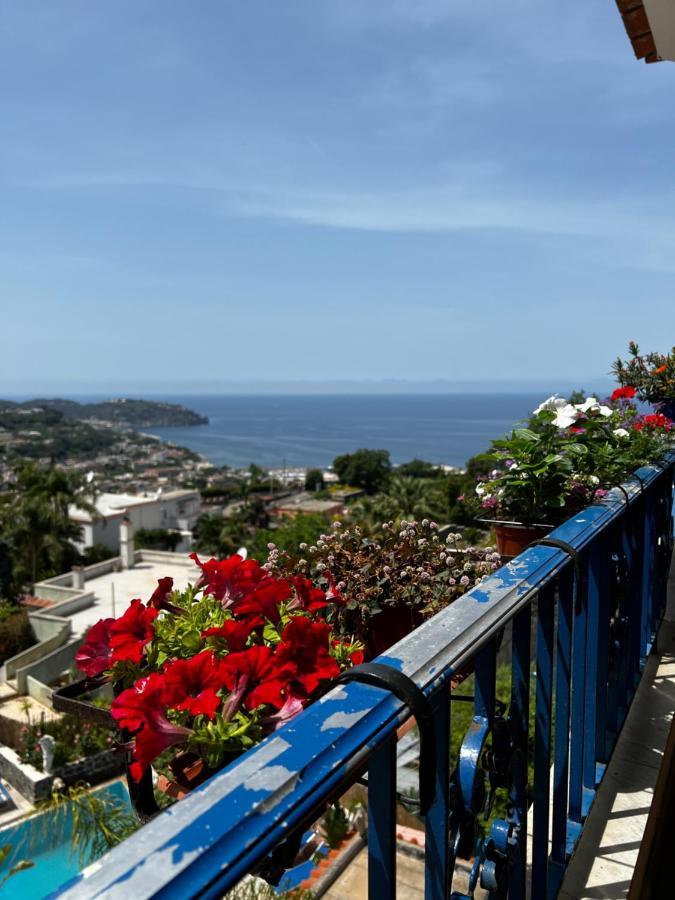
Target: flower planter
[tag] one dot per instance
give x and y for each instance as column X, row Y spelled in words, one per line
column 389, row 627
column 513, row 538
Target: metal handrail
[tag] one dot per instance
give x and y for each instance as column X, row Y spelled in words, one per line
column 203, row 845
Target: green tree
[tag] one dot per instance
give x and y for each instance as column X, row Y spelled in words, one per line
column 208, row 534
column 288, row 536
column 156, row 539
column 5, row 570
column 314, row 480
column 367, row 469
column 404, row 498
column 419, row 468
column 34, row 518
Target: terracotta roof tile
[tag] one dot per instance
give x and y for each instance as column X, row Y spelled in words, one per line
column 638, row 29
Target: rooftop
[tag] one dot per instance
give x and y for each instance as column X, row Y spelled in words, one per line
column 114, row 591
column 110, row 504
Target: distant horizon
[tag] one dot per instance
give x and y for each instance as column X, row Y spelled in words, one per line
column 346, row 387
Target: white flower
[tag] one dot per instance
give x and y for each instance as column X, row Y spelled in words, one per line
column 589, row 403
column 565, row 416
column 593, row 479
column 553, row 404
column 620, row 432
column 480, row 489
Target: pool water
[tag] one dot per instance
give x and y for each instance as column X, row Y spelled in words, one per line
column 53, row 864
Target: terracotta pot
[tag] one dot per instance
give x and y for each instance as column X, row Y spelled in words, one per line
column 389, row 627
column 512, row 538
column 189, row 772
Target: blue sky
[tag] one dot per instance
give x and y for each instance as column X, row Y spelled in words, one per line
column 196, row 195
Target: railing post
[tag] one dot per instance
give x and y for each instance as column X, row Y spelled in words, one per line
column 594, row 632
column 579, row 630
column 436, row 851
column 382, row 822
column 520, row 719
column 560, row 849
column 646, row 593
column 542, row 742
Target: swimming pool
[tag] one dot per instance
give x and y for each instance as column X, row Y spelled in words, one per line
column 53, row 864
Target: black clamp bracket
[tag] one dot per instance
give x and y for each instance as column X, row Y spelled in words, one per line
column 573, row 553
column 389, row 679
column 623, row 490
column 640, row 481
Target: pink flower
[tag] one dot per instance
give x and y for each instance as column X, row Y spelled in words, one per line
column 288, row 711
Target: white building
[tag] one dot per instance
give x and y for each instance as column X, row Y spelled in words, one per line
column 173, row 510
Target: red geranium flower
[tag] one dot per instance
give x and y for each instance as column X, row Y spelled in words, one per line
column 235, row 634
column 255, row 677
column 228, row 580
column 624, row 393
column 191, row 684
column 95, row 655
column 131, row 632
column 306, row 644
column 658, row 420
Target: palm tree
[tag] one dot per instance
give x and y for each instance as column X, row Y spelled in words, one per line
column 36, row 520
column 404, row 498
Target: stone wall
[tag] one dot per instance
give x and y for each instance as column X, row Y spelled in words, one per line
column 35, row 785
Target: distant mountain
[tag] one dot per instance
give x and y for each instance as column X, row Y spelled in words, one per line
column 122, row 411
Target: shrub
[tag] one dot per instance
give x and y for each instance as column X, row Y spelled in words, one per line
column 74, row 740
column 156, row 539
column 16, row 633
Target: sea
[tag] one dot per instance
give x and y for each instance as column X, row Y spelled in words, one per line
column 276, row 431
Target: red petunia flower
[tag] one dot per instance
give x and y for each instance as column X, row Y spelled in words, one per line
column 356, row 657
column 233, row 633
column 192, row 684
column 131, row 632
column 624, row 393
column 333, row 594
column 307, row 596
column 228, row 580
column 160, row 597
column 288, row 711
column 306, row 644
column 154, row 738
column 95, row 655
column 265, row 600
column 141, row 709
column 255, row 677
column 132, row 707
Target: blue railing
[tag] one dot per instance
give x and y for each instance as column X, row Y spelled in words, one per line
column 578, row 620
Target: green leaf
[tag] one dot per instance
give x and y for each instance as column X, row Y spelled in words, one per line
column 526, row 434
